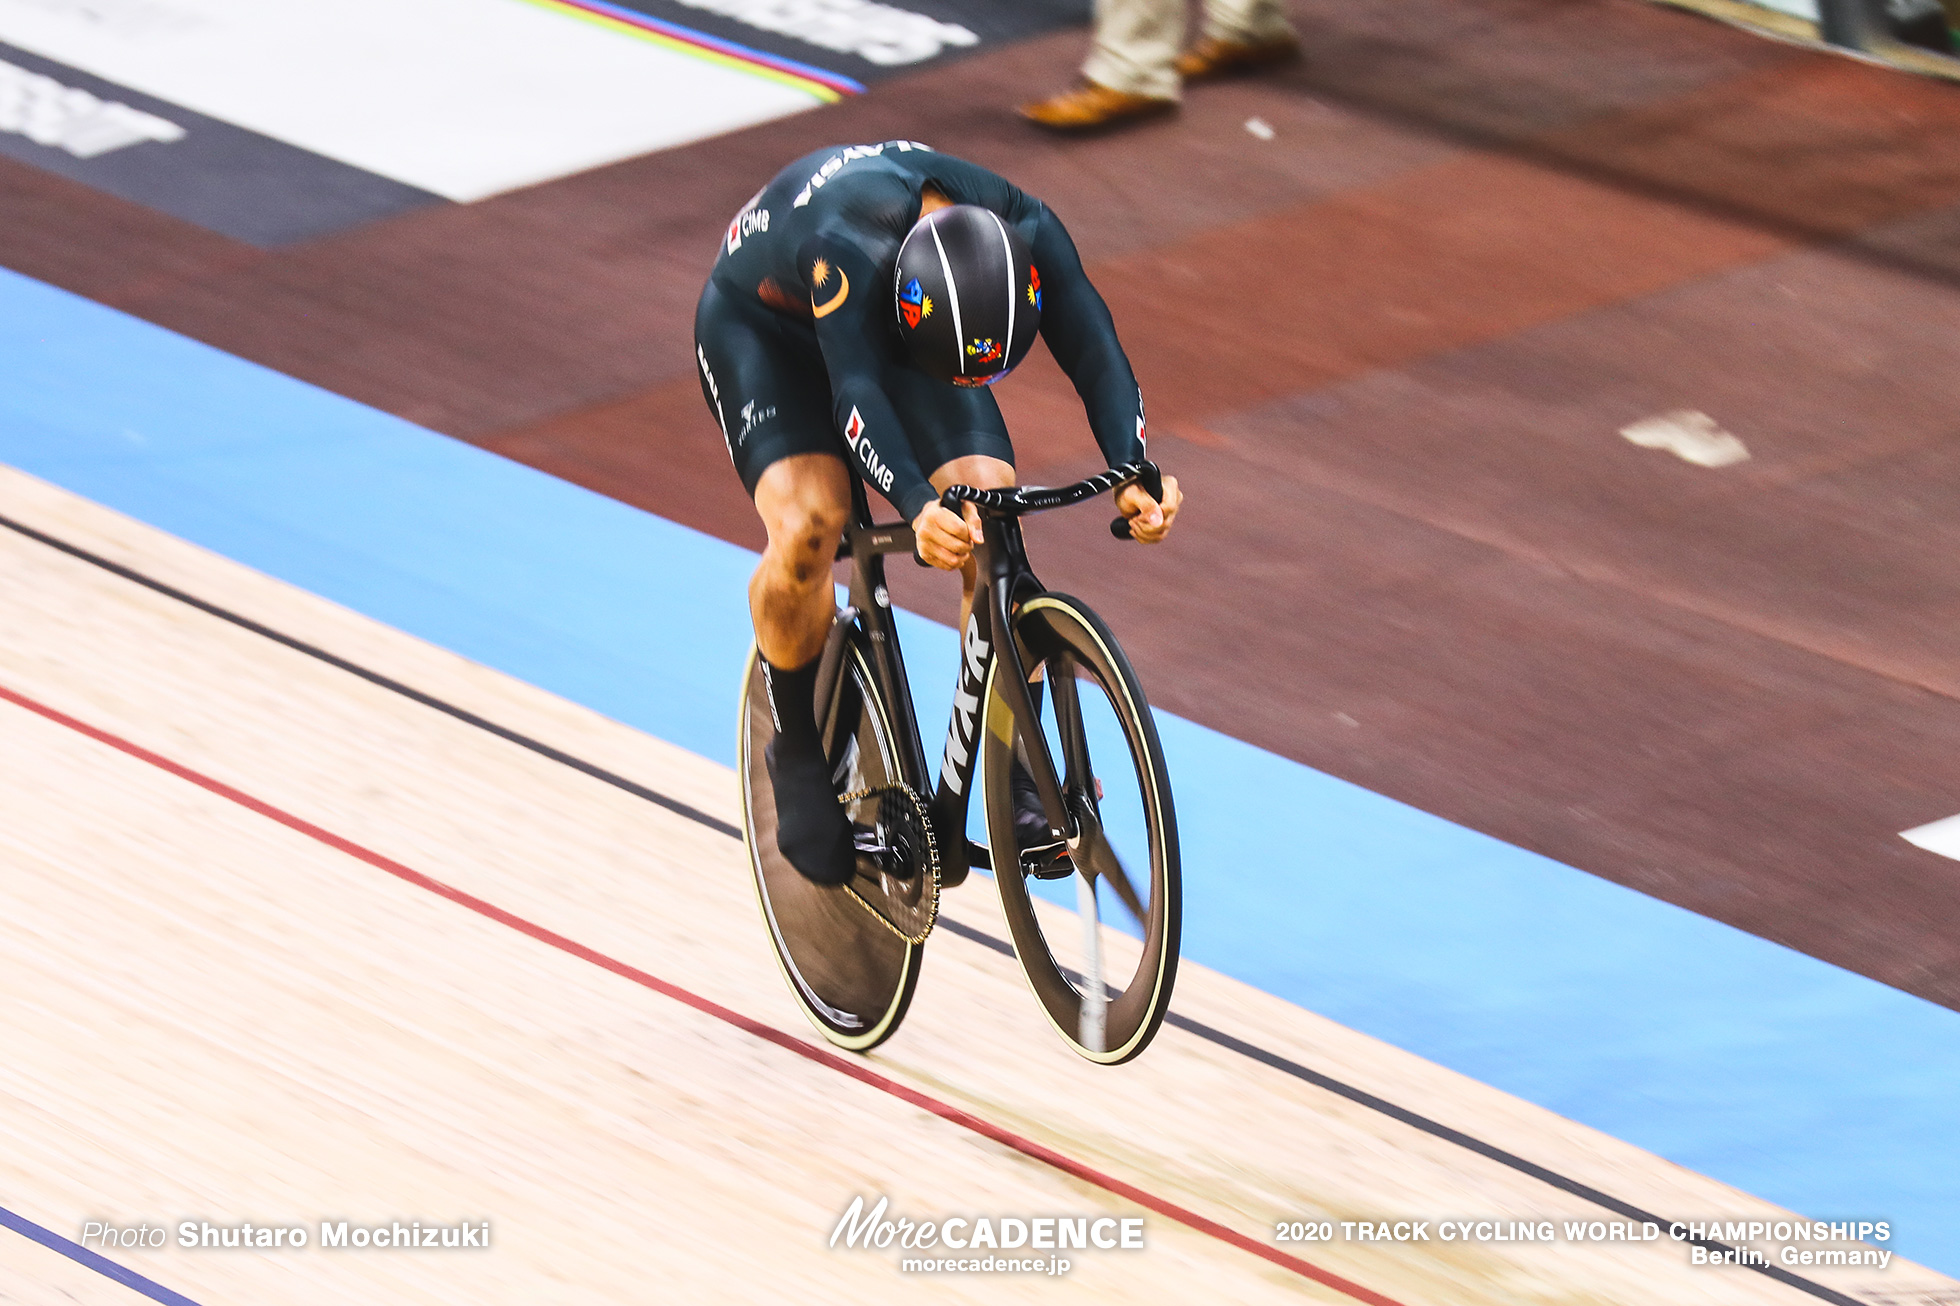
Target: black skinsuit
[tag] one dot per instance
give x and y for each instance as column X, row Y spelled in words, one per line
column 797, row 340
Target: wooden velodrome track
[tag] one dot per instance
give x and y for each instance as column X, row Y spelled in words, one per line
column 283, row 945
column 1388, row 353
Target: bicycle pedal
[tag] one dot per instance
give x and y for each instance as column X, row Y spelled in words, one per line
column 1047, row 861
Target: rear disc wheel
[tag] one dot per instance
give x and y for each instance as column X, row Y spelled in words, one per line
column 851, row 972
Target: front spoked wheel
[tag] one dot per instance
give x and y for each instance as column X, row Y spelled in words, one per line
column 1104, row 973
column 851, row 953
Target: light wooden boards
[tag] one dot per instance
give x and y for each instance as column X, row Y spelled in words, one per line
column 223, row 1019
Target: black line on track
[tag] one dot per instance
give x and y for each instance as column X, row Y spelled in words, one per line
column 674, row 805
column 1481, row 1148
column 1219, row 1037
column 1435, row 1129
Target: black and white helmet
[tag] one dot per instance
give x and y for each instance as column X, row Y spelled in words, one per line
column 967, row 295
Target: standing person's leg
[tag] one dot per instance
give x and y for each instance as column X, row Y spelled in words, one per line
column 1136, row 43
column 1248, row 22
column 1239, row 34
column 1129, row 70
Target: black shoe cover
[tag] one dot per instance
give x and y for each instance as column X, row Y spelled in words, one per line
column 811, row 828
column 1030, row 822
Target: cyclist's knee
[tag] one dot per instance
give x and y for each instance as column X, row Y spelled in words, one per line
column 803, row 537
column 805, row 504
column 809, row 534
column 980, row 471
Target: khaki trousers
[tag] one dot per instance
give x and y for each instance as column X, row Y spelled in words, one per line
column 1138, row 40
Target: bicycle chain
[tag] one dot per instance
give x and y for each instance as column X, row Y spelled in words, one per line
column 931, row 867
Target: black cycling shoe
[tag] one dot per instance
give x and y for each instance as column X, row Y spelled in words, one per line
column 811, row 828
column 1030, row 821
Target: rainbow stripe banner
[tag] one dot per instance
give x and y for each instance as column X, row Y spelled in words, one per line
column 817, row 82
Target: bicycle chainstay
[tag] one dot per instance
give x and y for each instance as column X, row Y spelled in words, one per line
column 911, row 836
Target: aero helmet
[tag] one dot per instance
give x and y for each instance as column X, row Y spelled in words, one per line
column 967, row 294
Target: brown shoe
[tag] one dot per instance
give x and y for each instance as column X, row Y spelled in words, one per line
column 1090, row 105
column 1212, row 57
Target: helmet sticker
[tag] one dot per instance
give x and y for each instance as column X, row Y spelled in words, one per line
column 1034, row 286
column 914, row 304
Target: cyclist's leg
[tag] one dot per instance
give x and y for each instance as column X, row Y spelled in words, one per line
column 967, row 444
column 958, row 434
column 804, row 501
column 982, row 472
column 763, row 378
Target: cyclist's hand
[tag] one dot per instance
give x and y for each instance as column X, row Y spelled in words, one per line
column 945, row 539
column 1150, row 520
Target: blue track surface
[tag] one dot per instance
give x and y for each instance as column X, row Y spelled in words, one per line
column 1819, row 1089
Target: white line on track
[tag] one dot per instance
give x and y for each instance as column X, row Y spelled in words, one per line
column 1942, row 837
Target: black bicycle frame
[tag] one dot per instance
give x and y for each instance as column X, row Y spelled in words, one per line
column 1005, row 579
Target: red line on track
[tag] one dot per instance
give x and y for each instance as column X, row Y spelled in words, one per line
column 822, row 1056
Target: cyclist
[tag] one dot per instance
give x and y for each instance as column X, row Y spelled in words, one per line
column 860, row 305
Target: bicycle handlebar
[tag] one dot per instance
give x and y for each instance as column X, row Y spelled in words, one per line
column 1040, row 498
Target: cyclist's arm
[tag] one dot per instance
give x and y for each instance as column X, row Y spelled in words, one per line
column 1082, row 336
column 856, row 352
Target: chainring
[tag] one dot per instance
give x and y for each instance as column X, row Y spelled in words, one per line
column 898, row 880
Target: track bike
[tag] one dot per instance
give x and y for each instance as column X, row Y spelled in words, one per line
column 852, row 953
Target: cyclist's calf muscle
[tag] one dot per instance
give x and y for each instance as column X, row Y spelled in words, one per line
column 804, row 502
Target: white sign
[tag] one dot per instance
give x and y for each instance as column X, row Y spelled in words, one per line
column 69, row 118
column 465, row 98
